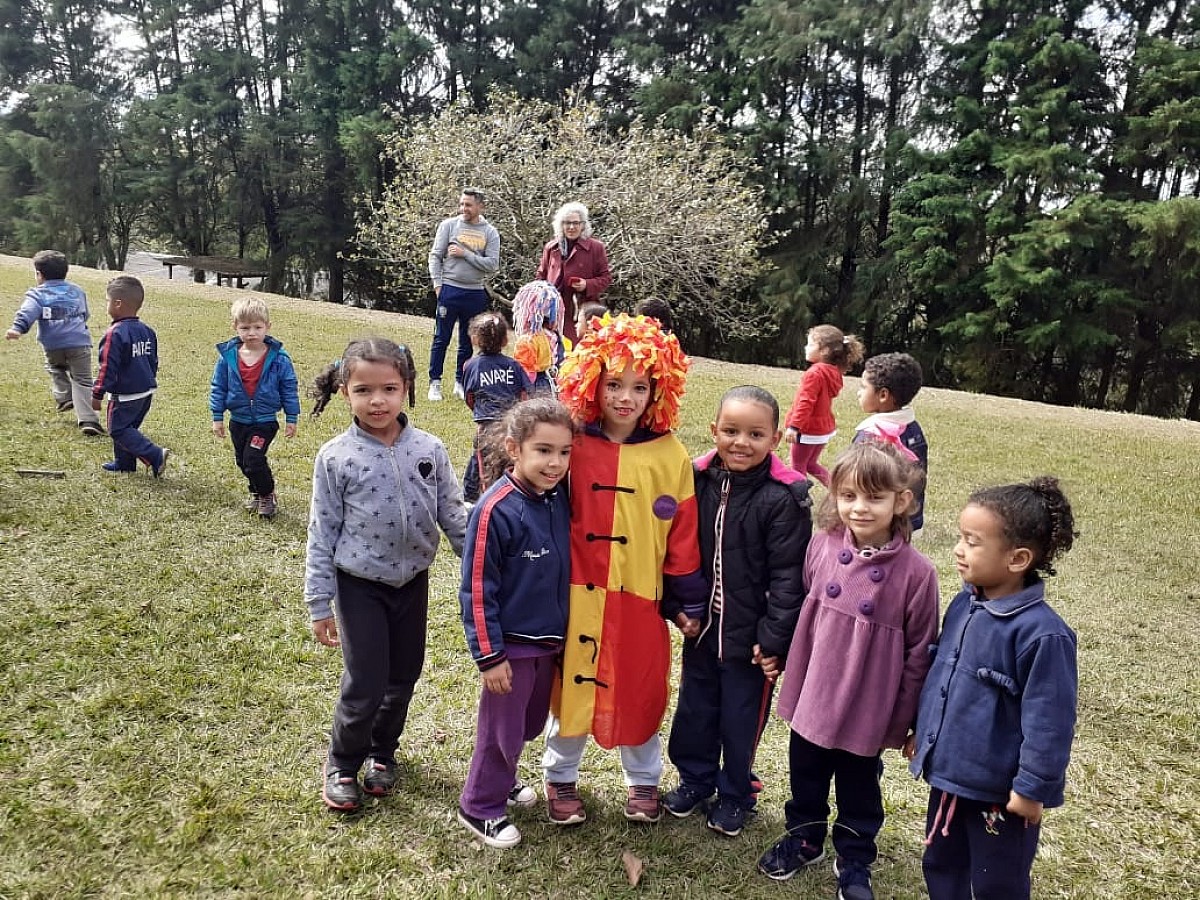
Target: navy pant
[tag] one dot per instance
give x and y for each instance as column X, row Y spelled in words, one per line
column 859, row 798
column 455, row 306
column 250, row 445
column 985, row 852
column 719, row 719
column 506, row 723
column 125, row 417
column 382, row 631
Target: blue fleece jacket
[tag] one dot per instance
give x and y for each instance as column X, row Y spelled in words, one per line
column 997, row 711
column 515, row 570
column 61, row 311
column 276, row 389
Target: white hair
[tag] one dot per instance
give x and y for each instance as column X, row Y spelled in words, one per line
column 568, row 208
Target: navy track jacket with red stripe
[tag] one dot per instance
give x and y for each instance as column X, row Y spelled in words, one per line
column 515, row 571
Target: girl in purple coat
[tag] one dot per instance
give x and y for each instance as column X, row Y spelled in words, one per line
column 856, row 664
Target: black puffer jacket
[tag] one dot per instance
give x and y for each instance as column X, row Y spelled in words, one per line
column 766, row 525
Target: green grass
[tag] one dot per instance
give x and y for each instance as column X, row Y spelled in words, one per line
column 164, row 709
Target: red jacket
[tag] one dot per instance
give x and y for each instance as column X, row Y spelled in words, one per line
column 588, row 260
column 812, row 410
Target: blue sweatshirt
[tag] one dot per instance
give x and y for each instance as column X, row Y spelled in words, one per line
column 61, row 311
column 493, row 382
column 277, row 389
column 997, row 712
column 128, row 361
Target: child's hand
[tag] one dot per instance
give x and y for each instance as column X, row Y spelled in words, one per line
column 289, row 429
column 219, row 429
column 325, row 631
column 769, row 664
column 910, row 746
column 689, row 627
column 12, row 334
column 498, row 679
column 95, row 404
column 1029, row 810
column 789, row 436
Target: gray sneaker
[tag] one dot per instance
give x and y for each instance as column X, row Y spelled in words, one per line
column 435, row 391
column 267, row 506
column 251, row 504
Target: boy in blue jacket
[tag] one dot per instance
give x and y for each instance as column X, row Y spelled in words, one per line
column 60, row 310
column 254, row 380
column 128, row 374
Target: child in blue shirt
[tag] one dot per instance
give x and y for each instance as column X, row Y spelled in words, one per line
column 492, row 383
column 890, row 381
column 60, row 310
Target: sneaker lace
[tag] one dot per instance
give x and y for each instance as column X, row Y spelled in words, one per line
column 566, row 791
column 644, row 792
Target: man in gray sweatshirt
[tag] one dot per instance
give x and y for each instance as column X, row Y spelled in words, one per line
column 466, row 249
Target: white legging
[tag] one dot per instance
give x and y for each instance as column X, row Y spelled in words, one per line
column 642, row 764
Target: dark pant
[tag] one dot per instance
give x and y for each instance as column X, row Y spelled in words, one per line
column 506, row 723
column 859, row 798
column 129, row 444
column 985, row 850
column 719, row 719
column 250, row 444
column 471, row 477
column 455, row 306
column 382, row 631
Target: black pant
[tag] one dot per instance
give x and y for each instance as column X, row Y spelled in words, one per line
column 859, row 798
column 250, row 445
column 722, row 711
column 985, row 849
column 382, row 632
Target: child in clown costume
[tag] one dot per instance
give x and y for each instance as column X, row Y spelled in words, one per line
column 538, row 322
column 634, row 552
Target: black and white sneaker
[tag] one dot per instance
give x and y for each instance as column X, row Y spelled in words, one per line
column 522, row 795
column 499, row 833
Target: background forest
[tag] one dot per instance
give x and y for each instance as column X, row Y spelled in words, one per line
column 1009, row 190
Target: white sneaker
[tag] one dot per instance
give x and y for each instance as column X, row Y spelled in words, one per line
column 458, row 391
column 435, row 391
column 522, row 795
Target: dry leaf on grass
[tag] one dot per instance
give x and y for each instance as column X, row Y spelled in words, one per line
column 633, row 867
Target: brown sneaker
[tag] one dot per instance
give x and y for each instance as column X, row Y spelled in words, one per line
column 267, row 506
column 642, row 805
column 563, row 804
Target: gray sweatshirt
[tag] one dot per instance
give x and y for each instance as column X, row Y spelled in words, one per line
column 482, row 243
column 376, row 510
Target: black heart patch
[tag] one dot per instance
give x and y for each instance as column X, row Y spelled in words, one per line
column 425, row 467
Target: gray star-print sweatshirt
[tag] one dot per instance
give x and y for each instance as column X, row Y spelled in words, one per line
column 376, row 511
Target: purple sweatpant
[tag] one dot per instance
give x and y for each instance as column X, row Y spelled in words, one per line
column 506, row 722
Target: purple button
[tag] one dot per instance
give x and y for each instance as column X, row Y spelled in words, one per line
column 876, row 574
column 833, row 589
column 867, row 607
column 845, row 557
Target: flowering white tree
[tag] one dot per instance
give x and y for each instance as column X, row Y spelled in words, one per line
column 679, row 218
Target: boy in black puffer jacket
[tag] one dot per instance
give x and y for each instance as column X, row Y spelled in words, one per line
column 755, row 524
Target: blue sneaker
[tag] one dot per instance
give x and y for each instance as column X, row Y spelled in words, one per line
column 685, row 800
column 854, row 880
column 788, row 856
column 161, row 467
column 113, row 466
column 729, row 817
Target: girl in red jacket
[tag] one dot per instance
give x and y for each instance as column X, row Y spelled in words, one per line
column 810, row 422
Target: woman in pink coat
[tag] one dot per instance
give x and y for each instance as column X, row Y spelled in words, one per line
column 574, row 262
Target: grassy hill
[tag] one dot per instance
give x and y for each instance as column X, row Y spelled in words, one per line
column 163, row 707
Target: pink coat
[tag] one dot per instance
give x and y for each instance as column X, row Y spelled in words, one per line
column 860, row 652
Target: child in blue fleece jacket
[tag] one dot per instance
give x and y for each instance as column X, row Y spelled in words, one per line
column 253, row 381
column 515, row 572
column 997, row 712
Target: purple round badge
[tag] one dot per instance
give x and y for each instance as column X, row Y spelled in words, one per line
column 833, row 589
column 665, row 506
column 845, row 556
column 876, row 574
column 867, row 607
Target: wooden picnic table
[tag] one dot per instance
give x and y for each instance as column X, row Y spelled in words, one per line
column 227, row 267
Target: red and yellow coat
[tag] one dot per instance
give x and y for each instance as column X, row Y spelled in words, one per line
column 633, row 519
